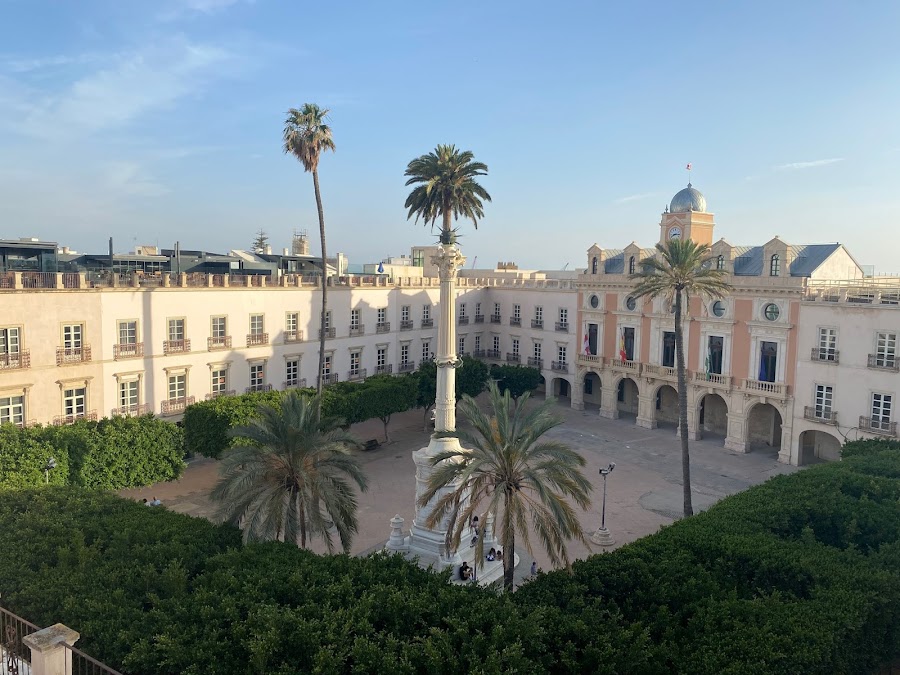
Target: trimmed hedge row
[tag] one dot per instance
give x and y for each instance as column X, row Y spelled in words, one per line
column 797, row 575
column 111, row 454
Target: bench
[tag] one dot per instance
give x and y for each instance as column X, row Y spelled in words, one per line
column 371, row 444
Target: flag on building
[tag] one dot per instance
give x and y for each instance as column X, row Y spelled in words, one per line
column 587, row 345
column 688, row 167
column 380, row 268
column 622, row 353
column 708, row 362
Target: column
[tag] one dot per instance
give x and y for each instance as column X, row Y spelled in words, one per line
column 48, row 655
column 578, row 390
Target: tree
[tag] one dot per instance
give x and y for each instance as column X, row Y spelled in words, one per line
column 519, row 475
column 306, row 136
column 517, row 379
column 681, row 268
column 289, row 480
column 383, row 395
column 260, row 241
column 471, row 379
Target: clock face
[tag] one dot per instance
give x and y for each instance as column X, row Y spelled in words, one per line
column 675, row 233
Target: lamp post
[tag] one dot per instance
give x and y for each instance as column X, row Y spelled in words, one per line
column 51, row 464
column 602, row 537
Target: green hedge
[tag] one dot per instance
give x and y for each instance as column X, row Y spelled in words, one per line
column 111, row 454
column 798, row 575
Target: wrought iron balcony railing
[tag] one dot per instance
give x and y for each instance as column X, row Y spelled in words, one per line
column 537, row 323
column 174, row 406
column 515, row 321
column 562, row 326
column 826, row 355
column 384, row 327
column 463, row 320
column 130, row 410
column 535, row 362
column 356, row 374
column 257, row 387
column 223, row 342
column 819, row 414
column 293, row 336
column 357, row 330
column 329, row 333
column 90, row 415
column 16, row 360
column 878, row 425
column 479, row 318
column 407, row 367
column 67, row 355
column 385, row 369
column 217, row 394
column 495, row 318
column 512, row 357
column 128, row 350
column 427, row 323
column 176, row 346
column 406, row 324
column 883, row 362
column 560, row 366
column 256, row 339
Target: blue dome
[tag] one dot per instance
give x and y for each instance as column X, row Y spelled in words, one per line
column 686, row 200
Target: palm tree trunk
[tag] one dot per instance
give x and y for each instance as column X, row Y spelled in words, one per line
column 509, row 548
column 682, row 408
column 320, row 377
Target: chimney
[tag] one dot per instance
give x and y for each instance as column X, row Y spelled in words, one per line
column 268, row 249
column 284, row 251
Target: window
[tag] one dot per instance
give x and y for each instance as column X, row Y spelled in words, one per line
column 538, row 313
column 426, row 350
column 718, row 308
column 720, row 262
column 715, row 349
column 404, row 313
column 72, row 336
column 768, row 361
column 127, row 332
column 326, row 365
column 461, row 345
column 881, row 410
column 563, row 315
column 327, row 320
column 219, row 327
column 354, row 317
column 594, row 264
column 537, row 350
column 462, row 310
column 630, row 303
column 561, row 353
column 426, row 312
column 827, row 344
column 404, row 354
column 885, row 350
column 631, row 265
column 824, row 397
column 668, row 349
column 9, row 341
column 496, row 343
column 595, row 302
column 129, row 394
column 626, row 346
column 74, row 401
column 219, row 380
column 257, row 324
column 771, row 312
column 477, row 309
column 354, row 363
column 381, row 357
column 517, row 312
column 496, row 309
column 515, row 346
column 418, row 257
column 177, row 386
column 291, row 324
column 12, row 410
column 477, row 343
column 257, row 375
column 774, row 265
column 381, row 314
column 176, row 330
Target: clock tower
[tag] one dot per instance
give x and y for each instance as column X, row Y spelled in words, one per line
column 687, row 218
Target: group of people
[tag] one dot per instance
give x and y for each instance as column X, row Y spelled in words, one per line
column 153, row 502
column 467, row 573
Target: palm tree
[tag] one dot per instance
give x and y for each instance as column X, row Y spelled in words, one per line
column 289, row 481
column 446, row 188
column 681, row 268
column 306, row 136
column 511, row 471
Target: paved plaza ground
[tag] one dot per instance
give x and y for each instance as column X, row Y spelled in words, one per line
column 643, row 493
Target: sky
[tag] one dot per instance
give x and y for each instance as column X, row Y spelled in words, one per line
column 159, row 121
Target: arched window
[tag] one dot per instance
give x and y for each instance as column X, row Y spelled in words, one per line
column 631, row 265
column 720, row 262
column 774, row 266
column 594, row 265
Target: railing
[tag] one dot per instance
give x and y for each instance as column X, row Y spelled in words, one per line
column 7, row 280
column 495, row 318
column 218, row 280
column 130, row 410
column 71, row 279
column 16, row 360
column 591, row 360
column 358, row 329
column 384, row 327
column 665, row 372
column 713, row 379
column 537, row 323
column 777, row 389
column 294, row 384
column 173, row 406
column 16, row 657
column 329, row 378
column 217, row 394
column 128, row 351
column 60, row 420
column 427, row 323
column 386, row 369
column 406, row 324
column 535, row 362
column 883, row 362
column 65, row 355
column 329, row 333
column 257, row 387
column 463, row 320
column 479, row 318
column 293, row 336
column 826, row 355
column 176, row 346
column 492, row 353
column 223, row 342
column 877, row 426
column 559, row 366
column 256, row 339
column 478, row 353
column 562, row 326
column 407, row 367
column 625, row 364
column 79, row 663
column 512, row 357
column 38, row 279
column 195, row 280
column 819, row 415
column 358, row 374
column 515, row 321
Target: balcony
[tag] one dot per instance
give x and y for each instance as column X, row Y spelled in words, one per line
column 562, row 326
column 479, row 354
column 385, row 369
column 359, row 329
column 68, row 355
column 128, row 351
column 176, row 346
column 293, row 336
column 761, row 388
column 256, row 339
column 825, row 355
column 479, row 318
column 512, row 357
column 223, row 342
column 536, row 362
column 715, row 380
column 492, row 353
column 815, row 414
column 358, row 374
column 591, row 360
column 257, row 388
column 294, row 384
column 515, row 321
column 16, row 360
column 407, row 367
column 663, row 372
column 495, row 318
column 60, row 420
column 427, row 323
column 463, row 321
column 406, row 324
column 130, row 410
column 874, row 425
column 883, row 362
column 217, row 394
column 537, row 323
column 384, row 327
column 329, row 333
column 559, row 366
column 625, row 366
column 175, row 406
column 329, row 378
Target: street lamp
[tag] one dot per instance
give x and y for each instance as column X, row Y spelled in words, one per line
column 602, row 537
column 51, row 464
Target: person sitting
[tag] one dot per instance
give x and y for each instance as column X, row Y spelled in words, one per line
column 465, row 572
column 156, row 502
column 499, row 555
column 492, row 555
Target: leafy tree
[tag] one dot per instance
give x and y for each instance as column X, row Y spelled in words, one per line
column 289, row 482
column 519, row 475
column 260, row 241
column 680, row 269
column 516, row 379
column 383, row 395
column 306, row 136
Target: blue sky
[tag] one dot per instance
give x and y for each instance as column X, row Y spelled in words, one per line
column 157, row 121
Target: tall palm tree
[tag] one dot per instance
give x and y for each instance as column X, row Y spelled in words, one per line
column 306, row 136
column 514, row 472
column 680, row 269
column 289, row 482
column 446, row 187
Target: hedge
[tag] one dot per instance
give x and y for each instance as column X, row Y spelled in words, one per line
column 111, row 454
column 798, row 575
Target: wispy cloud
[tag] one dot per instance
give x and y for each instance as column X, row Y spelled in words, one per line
column 185, row 8
column 795, row 166
column 18, row 65
column 130, row 179
column 635, row 197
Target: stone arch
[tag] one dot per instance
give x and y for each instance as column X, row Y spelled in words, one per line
column 592, row 387
column 594, row 265
column 627, row 391
column 665, row 404
column 764, row 427
column 561, row 388
column 712, row 414
column 818, row 446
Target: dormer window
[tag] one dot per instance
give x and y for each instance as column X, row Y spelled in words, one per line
column 594, row 263
column 720, row 262
column 774, row 266
column 631, row 265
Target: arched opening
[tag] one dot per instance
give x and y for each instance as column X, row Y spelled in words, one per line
column 631, row 265
column 542, row 386
column 592, row 389
column 666, row 406
column 774, row 265
column 561, row 388
column 627, row 398
column 818, row 446
column 720, row 262
column 764, row 427
column 713, row 416
column 594, row 263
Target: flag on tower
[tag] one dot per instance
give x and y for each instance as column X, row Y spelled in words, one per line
column 688, row 167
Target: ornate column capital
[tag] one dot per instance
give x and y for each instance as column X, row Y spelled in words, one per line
column 449, row 260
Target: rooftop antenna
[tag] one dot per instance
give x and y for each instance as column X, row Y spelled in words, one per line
column 565, row 266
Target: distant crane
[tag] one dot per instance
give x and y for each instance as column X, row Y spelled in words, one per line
column 565, row 266
column 474, row 261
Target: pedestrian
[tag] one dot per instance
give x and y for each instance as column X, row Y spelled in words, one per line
column 156, row 502
column 534, row 568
